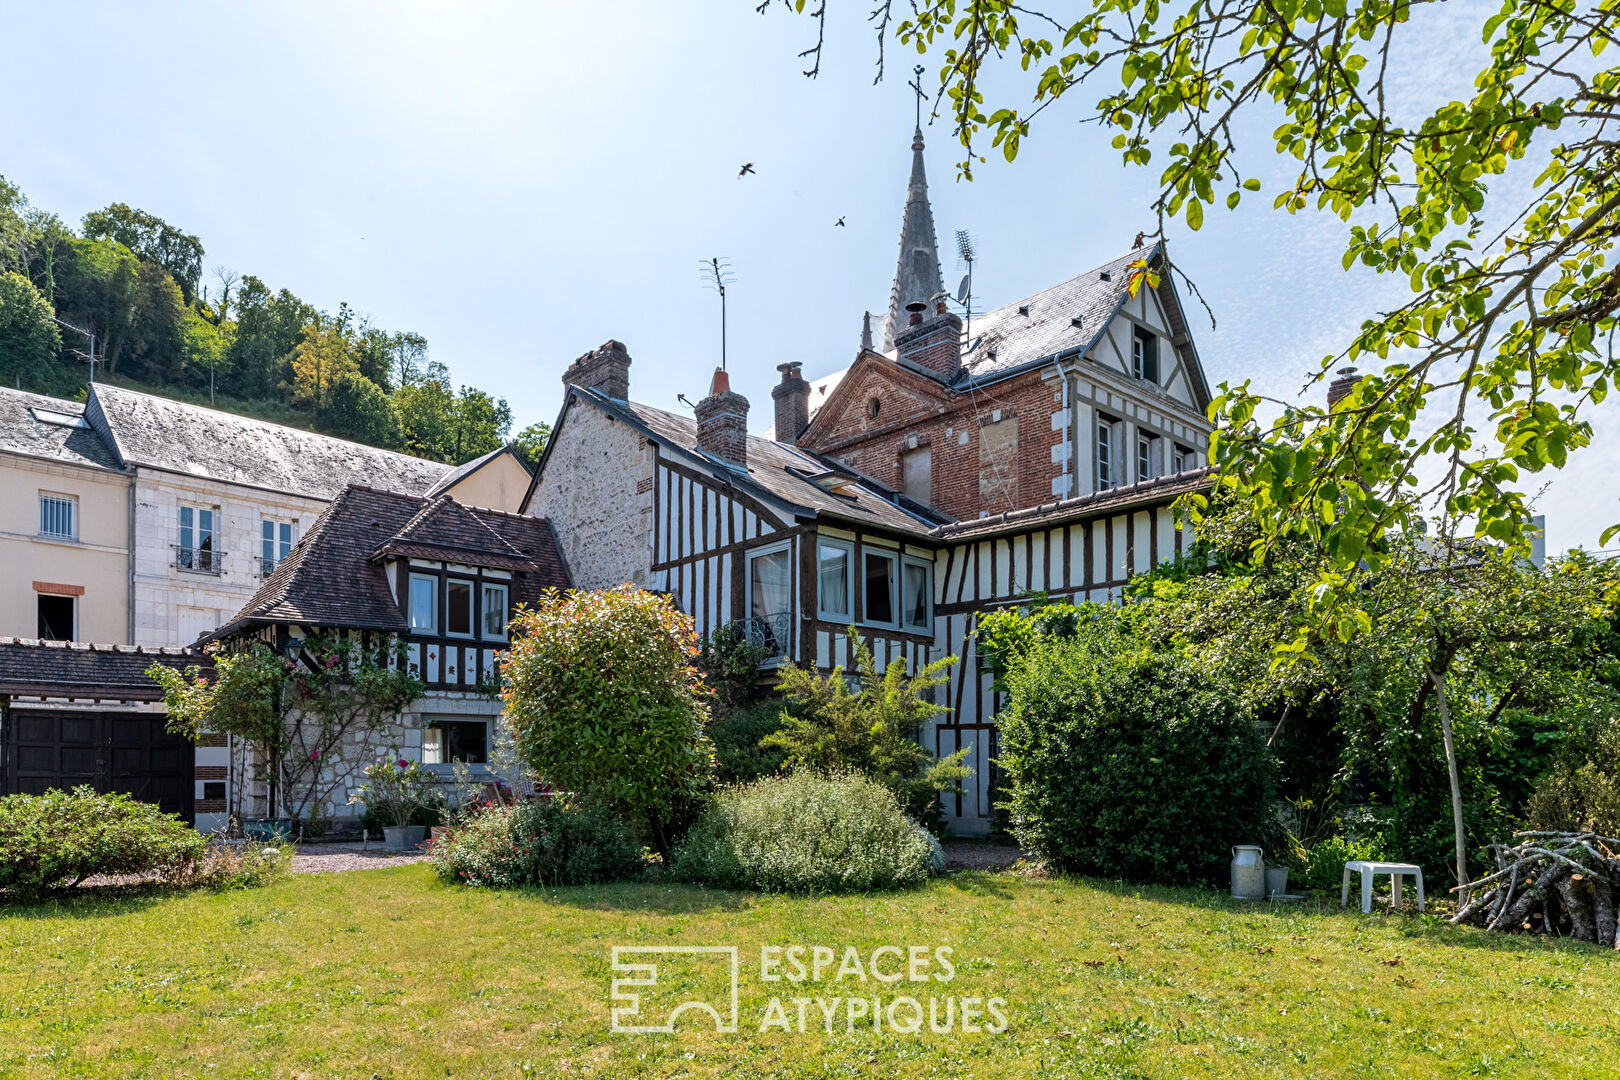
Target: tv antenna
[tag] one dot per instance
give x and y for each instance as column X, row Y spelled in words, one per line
column 717, row 275
column 88, row 334
column 964, row 291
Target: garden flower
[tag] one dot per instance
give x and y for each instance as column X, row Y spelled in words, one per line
column 403, row 763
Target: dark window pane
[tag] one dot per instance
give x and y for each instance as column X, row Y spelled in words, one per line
column 458, row 610
column 449, row 741
column 879, row 588
column 55, row 617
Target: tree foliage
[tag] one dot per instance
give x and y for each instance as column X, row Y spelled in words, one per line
column 1498, row 207
column 874, row 728
column 29, row 340
column 135, row 282
column 605, row 702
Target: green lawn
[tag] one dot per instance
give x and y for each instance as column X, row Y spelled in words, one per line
column 389, row 973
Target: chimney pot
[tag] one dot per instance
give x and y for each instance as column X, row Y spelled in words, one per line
column 1340, row 388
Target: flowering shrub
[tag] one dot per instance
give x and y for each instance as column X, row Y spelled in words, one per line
column 806, row 833
column 60, row 838
column 394, row 790
column 541, row 842
column 604, row 700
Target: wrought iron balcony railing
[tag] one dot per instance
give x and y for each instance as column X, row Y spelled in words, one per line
column 773, row 632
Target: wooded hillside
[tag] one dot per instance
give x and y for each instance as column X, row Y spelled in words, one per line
column 164, row 324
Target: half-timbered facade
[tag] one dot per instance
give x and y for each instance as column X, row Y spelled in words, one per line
column 431, row 576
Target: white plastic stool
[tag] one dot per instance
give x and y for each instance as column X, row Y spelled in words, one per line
column 1397, row 872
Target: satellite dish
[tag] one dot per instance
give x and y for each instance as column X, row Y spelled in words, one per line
column 963, row 289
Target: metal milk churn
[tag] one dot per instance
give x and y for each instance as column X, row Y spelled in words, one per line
column 1248, row 873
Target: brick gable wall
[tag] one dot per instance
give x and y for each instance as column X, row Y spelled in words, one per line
column 991, row 451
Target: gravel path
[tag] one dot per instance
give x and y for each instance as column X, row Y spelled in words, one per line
column 335, row 858
column 981, row 856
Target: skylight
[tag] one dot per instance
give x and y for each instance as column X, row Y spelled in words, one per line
column 60, row 419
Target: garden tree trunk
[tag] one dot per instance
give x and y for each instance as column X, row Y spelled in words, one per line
column 1603, row 907
column 1536, row 893
column 1581, row 923
column 1439, row 681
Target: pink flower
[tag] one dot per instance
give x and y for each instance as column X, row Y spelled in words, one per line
column 404, row 764
column 331, row 661
column 314, row 755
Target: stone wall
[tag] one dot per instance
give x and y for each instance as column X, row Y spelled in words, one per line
column 597, row 493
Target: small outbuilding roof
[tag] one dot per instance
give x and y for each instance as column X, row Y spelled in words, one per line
column 62, row 669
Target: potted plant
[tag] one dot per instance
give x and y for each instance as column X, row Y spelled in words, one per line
column 395, row 789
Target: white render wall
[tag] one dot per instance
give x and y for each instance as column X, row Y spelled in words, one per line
column 173, row 606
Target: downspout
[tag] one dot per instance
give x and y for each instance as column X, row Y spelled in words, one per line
column 130, row 598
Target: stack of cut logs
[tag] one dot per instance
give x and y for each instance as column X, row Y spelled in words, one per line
column 1550, row 883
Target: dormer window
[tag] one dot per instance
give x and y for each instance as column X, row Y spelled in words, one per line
column 492, row 612
column 458, row 608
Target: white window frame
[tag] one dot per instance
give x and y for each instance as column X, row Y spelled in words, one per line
column 1144, row 454
column 785, row 547
column 195, row 547
column 847, row 616
column 472, row 606
column 869, row 551
column 448, row 768
column 432, row 582
column 279, row 548
column 927, row 568
column 1105, row 453
column 1139, row 353
column 68, row 504
column 483, row 602
column 1182, row 458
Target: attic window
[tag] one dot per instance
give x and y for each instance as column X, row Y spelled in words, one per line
column 1023, row 309
column 1106, row 276
column 60, row 419
column 1076, row 321
column 873, row 407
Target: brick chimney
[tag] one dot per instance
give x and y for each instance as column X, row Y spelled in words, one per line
column 1340, row 388
column 606, row 369
column 792, row 397
column 722, row 423
column 932, row 342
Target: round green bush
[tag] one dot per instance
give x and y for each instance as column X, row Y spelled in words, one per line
column 60, row 838
column 736, row 732
column 806, row 833
column 1128, row 763
column 539, row 842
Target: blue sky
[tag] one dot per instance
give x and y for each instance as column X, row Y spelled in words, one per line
column 520, row 182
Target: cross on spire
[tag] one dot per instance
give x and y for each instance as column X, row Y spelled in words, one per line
column 916, row 86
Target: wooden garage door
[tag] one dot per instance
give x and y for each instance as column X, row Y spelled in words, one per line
column 110, row 751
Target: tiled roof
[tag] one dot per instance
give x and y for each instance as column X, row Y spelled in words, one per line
column 331, row 580
column 448, row 531
column 164, row 434
column 1110, row 501
column 780, row 472
column 70, row 669
column 51, row 428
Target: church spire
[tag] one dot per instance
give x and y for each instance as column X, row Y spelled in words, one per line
column 917, row 277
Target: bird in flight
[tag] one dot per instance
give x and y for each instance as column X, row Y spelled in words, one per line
column 839, row 224
column 745, row 170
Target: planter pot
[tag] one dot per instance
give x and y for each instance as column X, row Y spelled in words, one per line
column 268, row 829
column 1276, row 881
column 403, row 837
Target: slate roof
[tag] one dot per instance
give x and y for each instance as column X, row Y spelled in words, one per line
column 462, row 471
column 63, row 435
column 152, row 431
column 72, row 669
column 1048, row 330
column 778, row 472
column 1160, row 489
column 331, row 578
